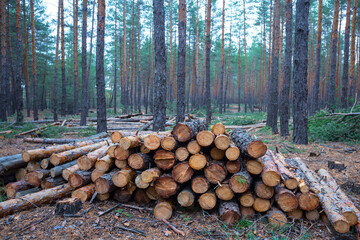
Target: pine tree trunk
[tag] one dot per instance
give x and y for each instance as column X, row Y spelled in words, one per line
column 63, row 78
column 10, row 88
column 132, row 91
column 4, row 65
column 18, row 82
column 345, row 76
column 300, row 115
column 26, row 64
column 221, row 89
column 84, row 73
column 246, row 73
column 100, row 78
column 76, row 70
column 34, row 67
column 124, row 94
column 284, row 102
column 160, row 66
column 138, row 95
column 115, row 64
column 208, row 49
column 351, row 88
column 43, row 92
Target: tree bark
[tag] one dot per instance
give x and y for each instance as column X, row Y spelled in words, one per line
column 63, row 81
column 351, row 88
column 248, row 146
column 18, row 92
column 229, row 212
column 55, row 84
column 221, row 89
column 207, row 74
column 75, row 42
column 345, row 75
column 26, row 62
column 84, row 75
column 34, row 67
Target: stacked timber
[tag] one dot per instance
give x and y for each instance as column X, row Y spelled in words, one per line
column 232, row 172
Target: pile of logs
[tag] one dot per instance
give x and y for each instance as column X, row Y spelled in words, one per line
column 190, row 165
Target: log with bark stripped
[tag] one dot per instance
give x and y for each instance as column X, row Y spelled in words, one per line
column 163, row 210
column 276, row 217
column 197, row 161
column 205, row 138
column 216, row 172
column 263, row 191
column 169, row 143
column 207, row 201
column 193, row 147
column 288, row 177
column 181, row 154
column 150, row 175
column 123, row 177
column 200, row 184
column 218, row 128
column 247, row 199
column 285, row 199
column 68, row 171
column 129, row 142
column 233, row 152
column 84, row 193
column 224, row 192
column 222, row 142
column 217, row 154
column 233, row 166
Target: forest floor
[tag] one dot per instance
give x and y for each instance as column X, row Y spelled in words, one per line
column 41, row 223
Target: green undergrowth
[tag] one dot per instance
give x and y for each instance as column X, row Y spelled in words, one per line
column 2, row 194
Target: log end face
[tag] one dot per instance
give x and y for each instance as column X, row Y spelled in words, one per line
column 163, row 210
column 351, row 217
column 102, row 186
column 116, row 136
column 182, row 132
column 277, row 218
column 271, row 178
column 168, row 143
column 341, row 226
column 207, row 201
column 26, row 156
column 218, row 129
column 291, row 184
column 232, row 153
column 152, row 142
column 205, row 138
column 256, row 149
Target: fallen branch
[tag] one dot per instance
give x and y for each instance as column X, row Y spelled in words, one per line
column 109, row 210
column 132, row 230
column 173, row 227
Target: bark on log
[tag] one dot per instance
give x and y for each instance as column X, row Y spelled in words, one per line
column 34, row 199
column 197, row 161
column 224, row 192
column 229, row 212
column 217, row 154
column 123, row 177
column 200, row 184
column 122, row 195
column 185, row 131
column 57, row 170
column 233, row 166
column 35, row 178
column 163, row 210
column 150, row 175
column 247, row 145
column 52, row 182
column 105, row 163
column 20, row 194
column 218, row 128
column 10, row 158
column 263, row 191
column 261, row 205
column 139, row 161
column 193, row 147
column 9, row 165
column 61, row 158
column 144, row 149
column 68, row 206
column 169, row 143
column 50, row 140
column 104, row 183
column 270, row 175
column 181, row 154
column 207, row 200
column 164, row 159
column 182, row 172
column 254, row 165
column 12, row 188
column 286, row 200
column 166, row 186
column 129, row 142
column 86, row 162
column 222, row 142
column 287, row 176
column 79, row 178
column 247, row 199
column 216, row 172
column 233, row 152
column 276, row 217
column 240, row 182
column 186, row 198
column 205, row 138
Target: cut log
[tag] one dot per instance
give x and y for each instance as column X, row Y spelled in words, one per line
column 52, row 182
column 20, row 194
column 254, row 165
column 186, row 198
column 313, row 215
column 20, row 174
column 121, row 154
column 307, row 201
column 141, row 197
column 111, row 150
column 263, row 191
column 35, row 178
column 152, row 194
column 200, row 184
column 181, row 154
column 240, row 182
column 84, row 193
column 295, row 214
column 129, row 142
column 216, row 172
column 166, row 186
column 233, row 152
column 303, row 183
column 205, row 138
column 163, row 210
column 123, row 177
column 169, row 143
column 86, row 162
column 164, row 159
column 276, row 217
column 12, row 164
column 95, row 174
column 33, row 166
column 105, row 163
column 247, row 212
column 217, row 154
column 104, row 184
column 185, row 131
column 41, row 153
column 193, row 147
column 10, row 158
column 197, row 161
column 68, row 171
column 121, row 164
column 247, row 199
column 61, row 158
column 150, row 175
column 12, row 188
column 140, row 183
column 45, row 163
column 229, row 212
column 57, row 170
column 103, row 197
column 218, row 128
column 182, row 172
column 286, row 200
column 222, row 142
column 116, row 136
column 79, row 178
column 50, row 140
column 207, row 200
column 139, row 161
column 233, row 166
column 122, row 195
column 68, row 206
column 270, row 175
column 152, row 141
column 247, row 145
column 224, row 192
column 144, row 149
column 261, row 205
column 35, row 199
column 287, row 176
